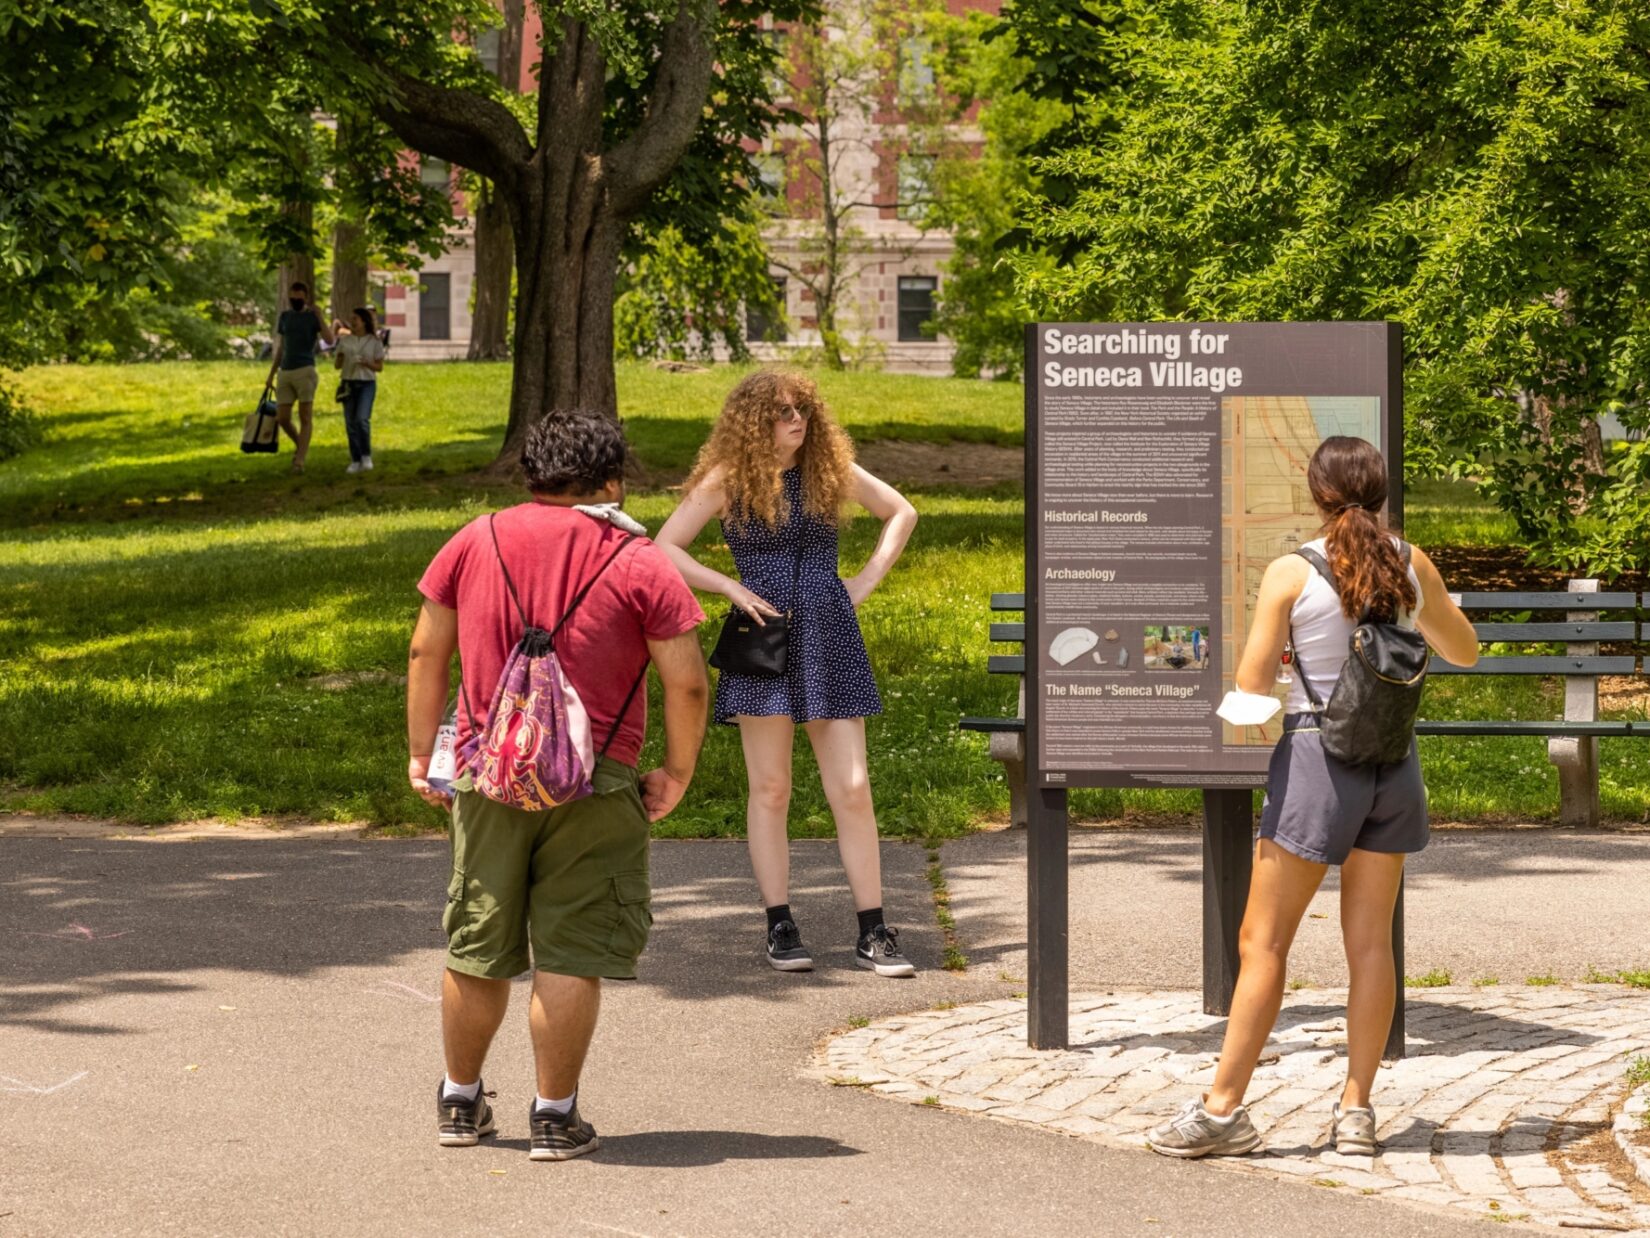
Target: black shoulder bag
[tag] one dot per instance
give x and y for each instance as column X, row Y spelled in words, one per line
column 1370, row 717
column 746, row 647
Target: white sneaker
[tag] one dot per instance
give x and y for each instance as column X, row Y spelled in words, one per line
column 354, row 467
column 366, row 464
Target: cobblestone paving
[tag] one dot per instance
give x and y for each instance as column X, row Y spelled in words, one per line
column 1502, row 1107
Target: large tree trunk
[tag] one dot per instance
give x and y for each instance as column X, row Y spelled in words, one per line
column 349, row 268
column 568, row 197
column 564, row 316
column 494, row 240
column 568, row 235
column 495, row 261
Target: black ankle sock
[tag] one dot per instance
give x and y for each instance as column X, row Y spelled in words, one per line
column 868, row 920
column 778, row 914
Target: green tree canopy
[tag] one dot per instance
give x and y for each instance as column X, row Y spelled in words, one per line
column 1478, row 171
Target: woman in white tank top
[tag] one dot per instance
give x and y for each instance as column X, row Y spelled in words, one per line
column 1320, row 811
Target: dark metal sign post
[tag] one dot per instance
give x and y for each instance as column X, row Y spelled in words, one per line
column 1164, row 466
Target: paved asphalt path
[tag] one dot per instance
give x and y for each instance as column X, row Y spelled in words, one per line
column 1507, row 904
column 231, row 1037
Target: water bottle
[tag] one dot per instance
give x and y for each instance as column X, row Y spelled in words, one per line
column 444, row 760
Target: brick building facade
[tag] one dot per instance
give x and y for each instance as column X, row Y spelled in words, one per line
column 898, row 265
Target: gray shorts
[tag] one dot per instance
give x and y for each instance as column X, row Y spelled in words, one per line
column 1320, row 808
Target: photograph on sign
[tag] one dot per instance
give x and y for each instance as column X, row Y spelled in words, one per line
column 1166, row 467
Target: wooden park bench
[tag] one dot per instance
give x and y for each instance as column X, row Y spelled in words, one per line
column 1572, row 742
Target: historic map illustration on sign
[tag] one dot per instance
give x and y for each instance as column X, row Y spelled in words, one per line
column 1265, row 444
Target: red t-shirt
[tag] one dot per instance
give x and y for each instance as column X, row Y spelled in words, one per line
column 551, row 552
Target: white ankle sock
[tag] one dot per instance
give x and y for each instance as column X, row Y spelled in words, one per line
column 561, row 1108
column 461, row 1091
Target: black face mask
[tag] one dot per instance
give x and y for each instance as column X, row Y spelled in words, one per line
column 296, row 303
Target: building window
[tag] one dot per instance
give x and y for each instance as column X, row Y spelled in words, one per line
column 487, row 49
column 916, row 191
column 770, row 175
column 435, row 174
column 435, row 300
column 916, row 69
column 916, row 305
column 779, row 70
column 763, row 327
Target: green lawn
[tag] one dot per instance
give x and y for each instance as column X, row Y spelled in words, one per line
column 189, row 632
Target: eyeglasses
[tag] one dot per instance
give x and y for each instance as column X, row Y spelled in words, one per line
column 792, row 413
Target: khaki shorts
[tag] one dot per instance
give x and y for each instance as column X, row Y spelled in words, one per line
column 570, row 882
column 296, row 386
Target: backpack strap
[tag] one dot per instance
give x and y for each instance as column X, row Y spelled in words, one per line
column 623, row 710
column 508, row 583
column 579, row 597
column 1322, row 566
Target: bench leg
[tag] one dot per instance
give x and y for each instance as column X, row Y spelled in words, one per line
column 1577, row 756
column 1577, row 760
column 1015, row 772
column 1010, row 752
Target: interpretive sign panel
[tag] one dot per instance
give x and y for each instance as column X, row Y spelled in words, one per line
column 1166, row 468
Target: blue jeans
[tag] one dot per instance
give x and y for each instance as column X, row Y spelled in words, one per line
column 358, row 417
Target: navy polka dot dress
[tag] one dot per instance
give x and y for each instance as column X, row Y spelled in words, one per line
column 827, row 673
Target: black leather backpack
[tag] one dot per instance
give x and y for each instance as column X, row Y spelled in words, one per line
column 1370, row 717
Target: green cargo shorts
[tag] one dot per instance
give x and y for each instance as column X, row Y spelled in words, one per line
column 571, row 882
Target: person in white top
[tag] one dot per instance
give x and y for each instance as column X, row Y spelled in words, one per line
column 359, row 356
column 1319, row 810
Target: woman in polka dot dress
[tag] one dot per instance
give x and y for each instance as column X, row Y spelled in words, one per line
column 778, row 472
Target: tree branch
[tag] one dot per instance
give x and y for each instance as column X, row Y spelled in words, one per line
column 675, row 106
column 463, row 128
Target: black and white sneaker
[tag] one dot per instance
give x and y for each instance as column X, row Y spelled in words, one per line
column 558, row 1137
column 879, row 950
column 785, row 949
column 462, row 1123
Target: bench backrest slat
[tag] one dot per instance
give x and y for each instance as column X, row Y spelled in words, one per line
column 1008, row 601
column 1008, row 631
column 1516, row 664
column 1624, row 630
column 1547, row 601
column 1006, row 664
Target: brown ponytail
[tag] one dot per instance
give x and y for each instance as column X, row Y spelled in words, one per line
column 1347, row 477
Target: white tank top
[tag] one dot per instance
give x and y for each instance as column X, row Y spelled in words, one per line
column 1319, row 633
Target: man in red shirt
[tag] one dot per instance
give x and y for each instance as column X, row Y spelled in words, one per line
column 569, row 884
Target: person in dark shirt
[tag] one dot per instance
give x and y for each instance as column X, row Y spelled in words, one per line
column 292, row 369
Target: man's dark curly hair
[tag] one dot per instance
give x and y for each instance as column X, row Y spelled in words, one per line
column 572, row 451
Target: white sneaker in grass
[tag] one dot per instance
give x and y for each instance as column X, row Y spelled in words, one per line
column 354, row 467
column 366, row 464
column 1194, row 1131
column 1354, row 1130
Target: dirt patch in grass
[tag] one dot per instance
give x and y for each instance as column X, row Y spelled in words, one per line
column 1494, row 568
column 943, row 464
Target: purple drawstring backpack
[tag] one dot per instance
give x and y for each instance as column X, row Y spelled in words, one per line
column 534, row 752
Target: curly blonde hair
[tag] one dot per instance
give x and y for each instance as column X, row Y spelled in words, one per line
column 741, row 447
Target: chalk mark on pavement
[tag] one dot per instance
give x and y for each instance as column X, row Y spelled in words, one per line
column 8, row 1084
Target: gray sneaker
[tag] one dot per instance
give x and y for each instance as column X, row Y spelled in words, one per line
column 1354, row 1131
column 1194, row 1131
column 879, row 951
